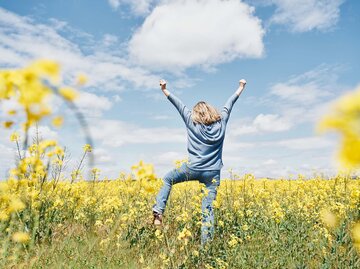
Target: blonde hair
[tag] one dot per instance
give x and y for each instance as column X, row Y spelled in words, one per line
column 204, row 113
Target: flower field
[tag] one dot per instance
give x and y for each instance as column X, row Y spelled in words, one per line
column 302, row 223
column 52, row 220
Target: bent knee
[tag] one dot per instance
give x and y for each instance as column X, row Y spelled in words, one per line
column 168, row 181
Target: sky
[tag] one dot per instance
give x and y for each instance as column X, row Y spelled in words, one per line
column 297, row 57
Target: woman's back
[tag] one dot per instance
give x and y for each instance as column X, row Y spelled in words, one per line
column 205, row 142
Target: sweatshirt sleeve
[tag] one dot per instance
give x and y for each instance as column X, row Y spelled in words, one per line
column 225, row 113
column 185, row 113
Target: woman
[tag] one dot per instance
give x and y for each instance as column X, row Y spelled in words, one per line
column 206, row 131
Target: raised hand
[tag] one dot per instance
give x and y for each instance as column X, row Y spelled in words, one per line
column 163, row 84
column 163, row 87
column 242, row 83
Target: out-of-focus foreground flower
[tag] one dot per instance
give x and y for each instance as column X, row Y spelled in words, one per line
column 345, row 118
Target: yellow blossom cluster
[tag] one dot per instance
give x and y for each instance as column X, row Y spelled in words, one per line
column 122, row 207
column 143, row 171
column 30, row 87
column 184, row 236
column 345, row 118
column 40, row 155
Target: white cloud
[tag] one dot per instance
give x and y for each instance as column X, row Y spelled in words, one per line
column 183, row 33
column 22, row 40
column 92, row 105
column 44, row 133
column 117, row 98
column 102, row 156
column 232, row 145
column 300, row 93
column 168, row 158
column 114, row 3
column 138, row 7
column 271, row 123
column 306, row 15
column 308, row 88
column 117, row 133
column 270, row 162
column 109, row 40
column 245, row 128
column 7, row 160
column 301, row 99
column 7, row 105
column 262, row 123
column 304, row 143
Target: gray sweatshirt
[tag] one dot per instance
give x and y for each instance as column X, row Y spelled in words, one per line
column 205, row 142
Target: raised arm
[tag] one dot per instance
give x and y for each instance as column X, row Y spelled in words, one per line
column 225, row 113
column 185, row 113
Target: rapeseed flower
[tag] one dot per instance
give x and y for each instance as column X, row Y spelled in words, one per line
column 15, row 205
column 14, row 137
column 8, row 124
column 328, row 218
column 68, row 94
column 184, row 235
column 87, row 148
column 21, row 237
column 345, row 118
column 81, row 80
column 57, row 121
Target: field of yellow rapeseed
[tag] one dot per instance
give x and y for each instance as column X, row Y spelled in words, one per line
column 303, row 223
column 51, row 221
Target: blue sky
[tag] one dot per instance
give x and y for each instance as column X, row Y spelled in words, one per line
column 297, row 57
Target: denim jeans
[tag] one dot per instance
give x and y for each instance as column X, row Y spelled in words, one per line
column 210, row 178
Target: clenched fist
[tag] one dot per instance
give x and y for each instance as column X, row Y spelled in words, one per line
column 163, row 84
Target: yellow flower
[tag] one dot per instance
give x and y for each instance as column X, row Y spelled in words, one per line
column 59, row 151
column 328, row 218
column 81, row 80
column 141, row 260
column 216, row 203
column 179, row 163
column 98, row 223
column 87, row 148
column 21, row 237
column 233, row 241
column 58, row 162
column 144, row 171
column 344, row 118
column 57, row 121
column 158, row 234
column 8, row 124
column 95, row 170
column 248, row 212
column 195, row 253
column 184, row 235
column 14, row 137
column 68, row 94
column 3, row 216
column 16, row 205
column 46, row 68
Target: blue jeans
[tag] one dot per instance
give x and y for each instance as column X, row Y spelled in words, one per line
column 210, row 178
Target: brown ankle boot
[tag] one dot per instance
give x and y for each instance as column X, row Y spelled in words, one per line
column 157, row 218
